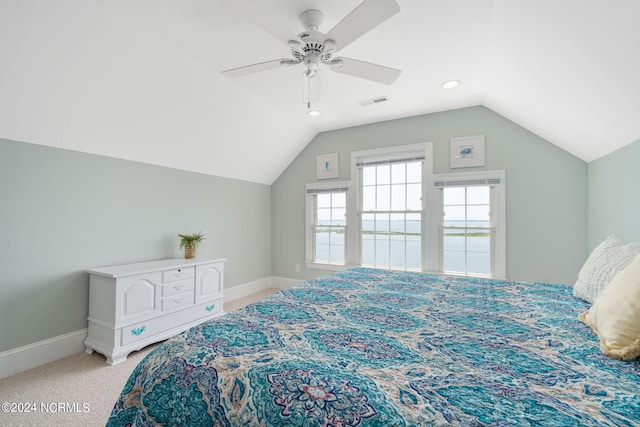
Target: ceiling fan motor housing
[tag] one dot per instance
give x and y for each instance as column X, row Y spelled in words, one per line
column 312, row 38
column 313, row 45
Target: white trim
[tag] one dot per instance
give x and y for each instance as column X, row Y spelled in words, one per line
column 240, row 291
column 42, row 352
column 328, row 266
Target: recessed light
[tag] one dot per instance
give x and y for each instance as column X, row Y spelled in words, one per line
column 450, row 84
column 313, row 113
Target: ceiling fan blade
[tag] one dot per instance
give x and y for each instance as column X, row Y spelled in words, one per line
column 254, row 68
column 264, row 19
column 365, row 70
column 369, row 14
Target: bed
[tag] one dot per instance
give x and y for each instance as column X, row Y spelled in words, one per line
column 367, row 347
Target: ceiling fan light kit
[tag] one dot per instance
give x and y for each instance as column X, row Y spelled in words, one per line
column 314, row 48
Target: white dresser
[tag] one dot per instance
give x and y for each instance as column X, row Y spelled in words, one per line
column 134, row 305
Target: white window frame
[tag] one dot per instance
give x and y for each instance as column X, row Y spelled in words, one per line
column 354, row 197
column 498, row 212
column 310, row 190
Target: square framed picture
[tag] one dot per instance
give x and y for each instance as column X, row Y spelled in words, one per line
column 467, row 152
column 327, row 166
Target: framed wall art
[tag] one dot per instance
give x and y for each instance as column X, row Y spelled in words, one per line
column 467, row 152
column 327, row 166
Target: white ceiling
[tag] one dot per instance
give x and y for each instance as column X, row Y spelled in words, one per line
column 140, row 79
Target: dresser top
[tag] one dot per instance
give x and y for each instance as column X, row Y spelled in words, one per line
column 115, row 271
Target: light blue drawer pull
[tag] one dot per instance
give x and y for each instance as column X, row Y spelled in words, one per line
column 138, row 331
column 210, row 307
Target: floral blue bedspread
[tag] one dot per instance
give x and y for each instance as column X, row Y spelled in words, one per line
column 367, row 347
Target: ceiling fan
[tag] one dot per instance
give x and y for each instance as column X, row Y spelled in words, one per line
column 313, row 48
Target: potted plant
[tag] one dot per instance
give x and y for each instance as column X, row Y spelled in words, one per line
column 190, row 242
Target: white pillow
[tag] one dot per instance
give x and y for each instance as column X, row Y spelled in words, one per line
column 610, row 257
column 615, row 316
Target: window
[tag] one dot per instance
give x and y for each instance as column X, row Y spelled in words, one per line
column 471, row 225
column 396, row 214
column 388, row 208
column 326, row 223
column 391, row 215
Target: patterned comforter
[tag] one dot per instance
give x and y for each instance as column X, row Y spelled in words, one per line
column 368, row 347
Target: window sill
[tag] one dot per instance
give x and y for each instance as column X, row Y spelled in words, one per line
column 332, row 267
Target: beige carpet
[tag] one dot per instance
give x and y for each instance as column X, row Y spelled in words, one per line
column 79, row 390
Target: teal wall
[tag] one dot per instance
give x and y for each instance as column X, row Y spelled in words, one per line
column 546, row 189
column 614, row 196
column 62, row 212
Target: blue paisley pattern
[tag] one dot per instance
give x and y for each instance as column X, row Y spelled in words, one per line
column 368, row 347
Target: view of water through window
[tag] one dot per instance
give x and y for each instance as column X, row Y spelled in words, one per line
column 391, row 222
column 466, row 230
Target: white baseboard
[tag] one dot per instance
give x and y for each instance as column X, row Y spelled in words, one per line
column 42, row 352
column 241, row 291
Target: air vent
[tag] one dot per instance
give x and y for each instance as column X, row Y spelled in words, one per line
column 372, row 101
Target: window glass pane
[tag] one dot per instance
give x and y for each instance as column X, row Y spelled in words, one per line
column 339, row 200
column 454, row 216
column 369, row 198
column 478, row 195
column 397, row 252
column 398, row 173
column 368, row 223
column 382, row 251
column 454, row 196
column 322, row 252
column 453, row 261
column 414, row 254
column 369, row 175
column 479, row 262
column 383, row 174
column 478, row 241
column 338, row 216
column 322, row 235
column 398, row 200
column 323, row 216
column 382, row 223
column 454, row 240
column 478, row 216
column 414, row 197
column 414, row 225
column 414, row 172
column 413, row 222
column 397, row 223
column 383, row 202
column 337, row 254
column 337, row 236
column 323, row 200
column 368, row 250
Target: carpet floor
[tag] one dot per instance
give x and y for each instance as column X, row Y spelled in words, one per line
column 78, row 390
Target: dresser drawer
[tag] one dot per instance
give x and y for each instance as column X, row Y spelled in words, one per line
column 177, row 287
column 145, row 330
column 178, row 300
column 178, row 274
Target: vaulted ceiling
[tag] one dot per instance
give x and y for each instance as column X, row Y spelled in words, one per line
column 141, row 79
